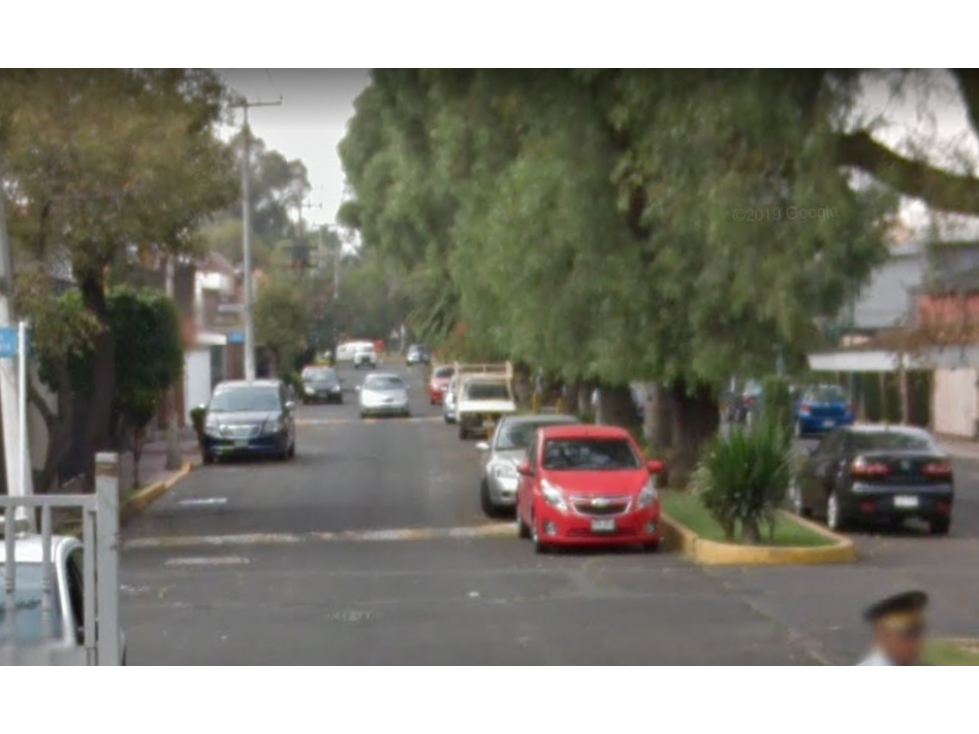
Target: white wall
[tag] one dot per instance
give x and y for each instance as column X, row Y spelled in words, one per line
column 955, row 401
column 197, row 378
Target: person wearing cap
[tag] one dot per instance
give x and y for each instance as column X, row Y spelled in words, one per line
column 899, row 629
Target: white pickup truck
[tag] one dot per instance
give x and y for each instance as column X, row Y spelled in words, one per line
column 483, row 395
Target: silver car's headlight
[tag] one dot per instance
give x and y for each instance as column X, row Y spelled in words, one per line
column 212, row 429
column 553, row 496
column 272, row 426
column 505, row 471
column 309, row 390
column 648, row 495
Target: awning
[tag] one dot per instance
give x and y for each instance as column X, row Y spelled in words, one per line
column 881, row 360
column 211, row 339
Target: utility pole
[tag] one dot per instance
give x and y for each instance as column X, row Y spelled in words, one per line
column 301, row 250
column 246, row 233
column 173, row 440
column 13, row 374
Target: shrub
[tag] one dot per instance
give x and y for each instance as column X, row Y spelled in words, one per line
column 742, row 478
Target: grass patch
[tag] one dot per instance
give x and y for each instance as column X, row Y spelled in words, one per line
column 689, row 510
column 952, row 652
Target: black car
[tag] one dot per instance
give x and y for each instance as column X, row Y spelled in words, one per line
column 249, row 418
column 867, row 474
column 321, row 385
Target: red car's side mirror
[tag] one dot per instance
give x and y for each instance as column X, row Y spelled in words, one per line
column 655, row 467
column 524, row 470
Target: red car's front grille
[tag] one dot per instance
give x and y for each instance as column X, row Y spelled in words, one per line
column 600, row 506
column 587, row 533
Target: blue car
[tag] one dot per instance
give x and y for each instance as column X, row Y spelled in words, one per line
column 822, row 408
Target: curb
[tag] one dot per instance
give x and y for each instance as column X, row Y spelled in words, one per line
column 714, row 553
column 148, row 495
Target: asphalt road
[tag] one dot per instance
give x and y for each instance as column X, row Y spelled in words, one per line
column 370, row 548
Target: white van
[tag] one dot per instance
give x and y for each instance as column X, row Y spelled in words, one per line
column 347, row 350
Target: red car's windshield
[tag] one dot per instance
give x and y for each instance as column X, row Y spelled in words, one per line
column 589, row 454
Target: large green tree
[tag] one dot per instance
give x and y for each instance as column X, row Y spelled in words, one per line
column 103, row 167
column 614, row 225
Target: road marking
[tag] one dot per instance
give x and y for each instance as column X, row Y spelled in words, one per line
column 203, row 501
column 365, row 421
column 209, row 561
column 500, row 530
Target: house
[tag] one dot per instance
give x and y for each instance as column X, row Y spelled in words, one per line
column 910, row 348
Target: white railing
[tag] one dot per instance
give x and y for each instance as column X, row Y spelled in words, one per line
column 100, row 640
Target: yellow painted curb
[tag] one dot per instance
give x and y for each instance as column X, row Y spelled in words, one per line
column 713, row 553
column 150, row 494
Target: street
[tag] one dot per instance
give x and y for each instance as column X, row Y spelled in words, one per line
column 370, row 548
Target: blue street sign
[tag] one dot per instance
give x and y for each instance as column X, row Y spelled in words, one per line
column 8, row 342
column 234, row 337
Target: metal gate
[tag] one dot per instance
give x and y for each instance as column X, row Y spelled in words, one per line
column 97, row 639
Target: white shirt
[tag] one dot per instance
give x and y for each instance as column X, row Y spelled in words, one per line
column 876, row 657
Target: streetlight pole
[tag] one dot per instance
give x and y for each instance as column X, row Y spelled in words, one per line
column 246, row 233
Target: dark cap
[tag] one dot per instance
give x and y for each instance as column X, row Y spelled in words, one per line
column 900, row 610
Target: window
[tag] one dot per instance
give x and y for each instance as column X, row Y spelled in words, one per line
column 518, row 434
column 28, row 619
column 891, row 441
column 384, row 382
column 826, row 394
column 246, row 399
column 319, row 374
column 589, row 454
column 487, row 391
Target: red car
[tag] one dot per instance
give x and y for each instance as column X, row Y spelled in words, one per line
column 587, row 485
column 439, row 384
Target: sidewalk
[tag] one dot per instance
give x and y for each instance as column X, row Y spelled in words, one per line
column 153, row 463
column 962, row 448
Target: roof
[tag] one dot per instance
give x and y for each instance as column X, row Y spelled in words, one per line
column 540, row 418
column 28, row 548
column 585, row 430
column 235, row 384
column 888, row 428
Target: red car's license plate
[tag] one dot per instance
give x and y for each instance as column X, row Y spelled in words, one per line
column 605, row 525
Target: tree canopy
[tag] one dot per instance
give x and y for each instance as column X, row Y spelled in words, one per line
column 616, row 224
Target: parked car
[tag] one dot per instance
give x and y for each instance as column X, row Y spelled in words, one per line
column 876, row 474
column 66, row 624
column 417, row 354
column 383, row 394
column 482, row 400
column 321, row 384
column 506, row 449
column 439, row 384
column 249, row 418
column 347, row 350
column 365, row 356
column 449, row 400
column 822, row 408
column 587, row 485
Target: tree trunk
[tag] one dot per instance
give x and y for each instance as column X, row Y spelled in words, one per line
column 585, row 389
column 696, row 418
column 750, row 533
column 59, row 426
column 617, row 407
column 98, row 419
column 522, row 386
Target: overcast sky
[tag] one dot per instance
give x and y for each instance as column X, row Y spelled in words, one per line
column 316, row 105
column 923, row 113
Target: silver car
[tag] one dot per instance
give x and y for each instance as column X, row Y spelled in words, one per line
column 449, row 401
column 506, row 448
column 383, row 394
